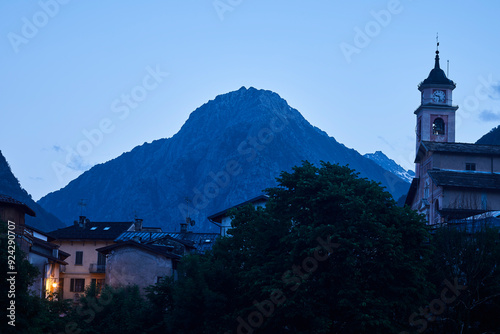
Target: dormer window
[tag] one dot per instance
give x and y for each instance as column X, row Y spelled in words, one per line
column 438, row 126
column 470, row 166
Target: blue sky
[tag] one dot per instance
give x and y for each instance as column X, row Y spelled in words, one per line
column 84, row 81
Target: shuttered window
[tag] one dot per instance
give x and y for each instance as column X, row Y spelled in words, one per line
column 78, row 258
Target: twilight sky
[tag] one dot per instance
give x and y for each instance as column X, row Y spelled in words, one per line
column 82, row 82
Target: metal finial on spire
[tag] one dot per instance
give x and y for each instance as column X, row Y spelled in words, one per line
column 437, row 43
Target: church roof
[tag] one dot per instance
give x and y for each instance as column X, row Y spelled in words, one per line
column 436, row 77
column 458, row 148
column 445, row 178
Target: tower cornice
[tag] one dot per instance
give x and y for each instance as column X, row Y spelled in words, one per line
column 435, row 107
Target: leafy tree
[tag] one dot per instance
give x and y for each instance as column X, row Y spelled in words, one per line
column 115, row 310
column 330, row 253
column 199, row 302
column 26, row 306
column 468, row 256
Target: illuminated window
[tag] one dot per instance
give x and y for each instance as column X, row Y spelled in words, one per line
column 438, row 126
column 77, row 285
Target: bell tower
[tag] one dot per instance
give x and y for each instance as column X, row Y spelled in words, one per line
column 436, row 114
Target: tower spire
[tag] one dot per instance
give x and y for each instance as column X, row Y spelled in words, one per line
column 436, row 64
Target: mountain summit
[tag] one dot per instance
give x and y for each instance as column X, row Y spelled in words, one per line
column 228, row 151
column 388, row 164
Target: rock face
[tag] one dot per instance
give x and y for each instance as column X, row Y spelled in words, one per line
column 9, row 185
column 227, row 152
column 491, row 138
column 390, row 165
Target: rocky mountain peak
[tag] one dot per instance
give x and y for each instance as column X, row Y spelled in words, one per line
column 229, row 150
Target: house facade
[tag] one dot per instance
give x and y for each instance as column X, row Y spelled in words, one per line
column 452, row 180
column 87, row 265
column 223, row 219
column 13, row 212
column 35, row 244
column 49, row 260
column 135, row 263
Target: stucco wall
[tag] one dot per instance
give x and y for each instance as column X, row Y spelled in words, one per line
column 457, row 162
column 80, row 271
column 130, row 265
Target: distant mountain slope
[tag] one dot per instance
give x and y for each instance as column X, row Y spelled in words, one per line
column 9, row 185
column 228, row 151
column 388, row 164
column 491, row 138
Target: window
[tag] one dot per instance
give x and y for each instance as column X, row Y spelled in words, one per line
column 77, row 285
column 470, row 166
column 436, row 212
column 426, row 190
column 106, row 228
column 93, row 228
column 99, row 283
column 438, row 126
column 78, row 258
column 158, row 279
column 101, row 259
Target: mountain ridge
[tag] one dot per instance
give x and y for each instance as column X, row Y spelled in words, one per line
column 490, row 138
column 10, row 186
column 388, row 164
column 229, row 149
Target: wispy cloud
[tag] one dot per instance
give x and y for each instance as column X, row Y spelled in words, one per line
column 77, row 163
column 36, row 178
column 57, row 148
column 489, row 116
column 495, row 91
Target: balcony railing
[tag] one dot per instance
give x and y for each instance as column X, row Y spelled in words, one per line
column 97, row 268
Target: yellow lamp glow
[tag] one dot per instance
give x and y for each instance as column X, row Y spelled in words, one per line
column 54, row 285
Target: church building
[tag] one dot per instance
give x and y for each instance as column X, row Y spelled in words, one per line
column 452, row 180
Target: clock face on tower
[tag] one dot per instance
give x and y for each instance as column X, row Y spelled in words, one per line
column 439, row 96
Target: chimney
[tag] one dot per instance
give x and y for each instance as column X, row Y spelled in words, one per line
column 138, row 225
column 184, row 227
column 137, row 239
column 82, row 221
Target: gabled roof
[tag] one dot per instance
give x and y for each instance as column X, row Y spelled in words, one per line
column 30, row 227
column 9, row 201
column 457, row 148
column 198, row 241
column 155, row 249
column 446, row 178
column 147, row 237
column 39, row 244
column 202, row 241
column 92, row 231
column 218, row 216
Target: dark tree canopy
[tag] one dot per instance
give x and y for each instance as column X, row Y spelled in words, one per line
column 330, row 253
